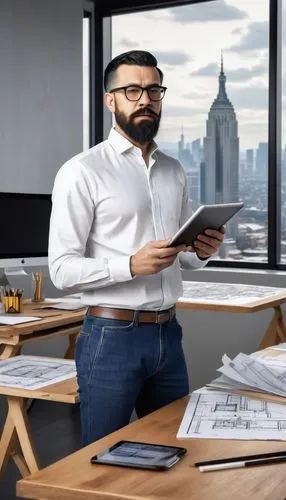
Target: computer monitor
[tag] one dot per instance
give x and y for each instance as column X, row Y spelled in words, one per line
column 24, row 229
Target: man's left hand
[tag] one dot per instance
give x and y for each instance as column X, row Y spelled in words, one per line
column 208, row 243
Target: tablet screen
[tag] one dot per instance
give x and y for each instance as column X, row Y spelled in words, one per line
column 131, row 453
column 206, row 217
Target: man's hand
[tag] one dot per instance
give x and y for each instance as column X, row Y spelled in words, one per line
column 208, row 243
column 154, row 257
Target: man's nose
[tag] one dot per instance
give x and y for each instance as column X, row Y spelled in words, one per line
column 144, row 99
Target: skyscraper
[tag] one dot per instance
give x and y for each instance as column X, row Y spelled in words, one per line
column 221, row 149
column 184, row 153
column 249, row 161
column 261, row 166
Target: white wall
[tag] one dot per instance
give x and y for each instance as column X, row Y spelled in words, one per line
column 41, row 112
column 40, row 91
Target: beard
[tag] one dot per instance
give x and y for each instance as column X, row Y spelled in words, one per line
column 142, row 132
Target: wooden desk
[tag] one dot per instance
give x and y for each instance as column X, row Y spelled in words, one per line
column 238, row 298
column 197, row 295
column 16, row 432
column 54, row 323
column 74, row 478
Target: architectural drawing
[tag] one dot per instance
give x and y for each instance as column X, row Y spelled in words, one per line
column 221, row 415
column 259, row 371
column 34, row 372
column 230, row 293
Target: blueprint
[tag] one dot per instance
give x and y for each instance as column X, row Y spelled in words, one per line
column 261, row 371
column 226, row 293
column 221, row 415
column 34, row 372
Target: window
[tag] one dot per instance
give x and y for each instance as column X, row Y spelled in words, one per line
column 215, row 58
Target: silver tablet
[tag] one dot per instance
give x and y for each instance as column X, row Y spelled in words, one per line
column 205, row 217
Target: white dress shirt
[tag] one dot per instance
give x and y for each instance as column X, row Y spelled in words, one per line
column 107, row 205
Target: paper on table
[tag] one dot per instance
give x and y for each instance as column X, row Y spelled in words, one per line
column 13, row 320
column 68, row 306
column 57, row 300
column 260, row 372
column 34, row 372
column 222, row 415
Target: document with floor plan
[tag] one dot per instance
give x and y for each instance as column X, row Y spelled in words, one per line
column 34, row 372
column 221, row 415
column 260, row 372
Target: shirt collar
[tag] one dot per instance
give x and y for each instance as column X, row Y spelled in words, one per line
column 121, row 144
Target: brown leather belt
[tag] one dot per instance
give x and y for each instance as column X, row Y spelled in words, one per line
column 132, row 315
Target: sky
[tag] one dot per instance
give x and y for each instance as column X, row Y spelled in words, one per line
column 188, row 42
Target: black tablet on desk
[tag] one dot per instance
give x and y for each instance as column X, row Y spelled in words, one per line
column 140, row 455
column 205, row 217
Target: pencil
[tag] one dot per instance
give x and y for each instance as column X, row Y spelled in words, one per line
column 242, row 464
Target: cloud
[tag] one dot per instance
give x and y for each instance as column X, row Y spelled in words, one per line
column 237, row 31
column 256, row 38
column 129, row 44
column 178, row 111
column 210, row 69
column 195, row 95
column 249, row 97
column 172, row 58
column 235, row 75
column 243, row 74
column 210, row 11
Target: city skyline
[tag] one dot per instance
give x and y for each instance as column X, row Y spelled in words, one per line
column 190, row 60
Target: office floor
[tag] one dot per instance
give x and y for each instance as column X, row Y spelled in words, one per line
column 56, row 433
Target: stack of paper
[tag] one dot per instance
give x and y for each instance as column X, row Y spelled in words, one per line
column 264, row 371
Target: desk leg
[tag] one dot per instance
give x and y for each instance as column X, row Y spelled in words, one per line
column 29, row 463
column 7, row 441
column 10, row 350
column 70, row 352
column 276, row 331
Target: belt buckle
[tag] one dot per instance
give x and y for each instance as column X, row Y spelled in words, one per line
column 162, row 317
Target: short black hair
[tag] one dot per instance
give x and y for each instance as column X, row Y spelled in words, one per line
column 133, row 57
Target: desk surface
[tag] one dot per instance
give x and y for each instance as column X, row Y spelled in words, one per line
column 74, row 478
column 50, row 318
column 229, row 297
column 63, row 392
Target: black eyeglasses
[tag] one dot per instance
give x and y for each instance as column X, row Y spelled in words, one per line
column 134, row 92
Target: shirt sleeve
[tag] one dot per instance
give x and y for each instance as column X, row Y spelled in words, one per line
column 188, row 260
column 70, row 224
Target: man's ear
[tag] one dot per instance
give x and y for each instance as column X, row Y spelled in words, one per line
column 109, row 101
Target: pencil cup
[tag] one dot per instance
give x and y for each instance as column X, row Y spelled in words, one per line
column 37, row 289
column 13, row 302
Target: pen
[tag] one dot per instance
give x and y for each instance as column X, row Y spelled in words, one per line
column 242, row 464
column 243, row 458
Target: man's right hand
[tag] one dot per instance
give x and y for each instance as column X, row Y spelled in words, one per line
column 154, row 257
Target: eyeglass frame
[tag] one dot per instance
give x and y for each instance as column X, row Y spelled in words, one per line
column 149, row 87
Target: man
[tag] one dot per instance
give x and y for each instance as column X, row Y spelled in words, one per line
column 115, row 208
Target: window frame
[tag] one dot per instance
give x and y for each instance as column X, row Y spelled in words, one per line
column 112, row 7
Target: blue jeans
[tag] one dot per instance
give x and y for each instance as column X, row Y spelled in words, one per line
column 122, row 366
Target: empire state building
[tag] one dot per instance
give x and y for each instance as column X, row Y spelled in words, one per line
column 221, row 149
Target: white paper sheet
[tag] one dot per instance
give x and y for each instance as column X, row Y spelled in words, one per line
column 222, row 415
column 260, row 371
column 34, row 372
column 6, row 319
column 66, row 306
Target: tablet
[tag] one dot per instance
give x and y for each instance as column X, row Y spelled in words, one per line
column 205, row 217
column 140, row 455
